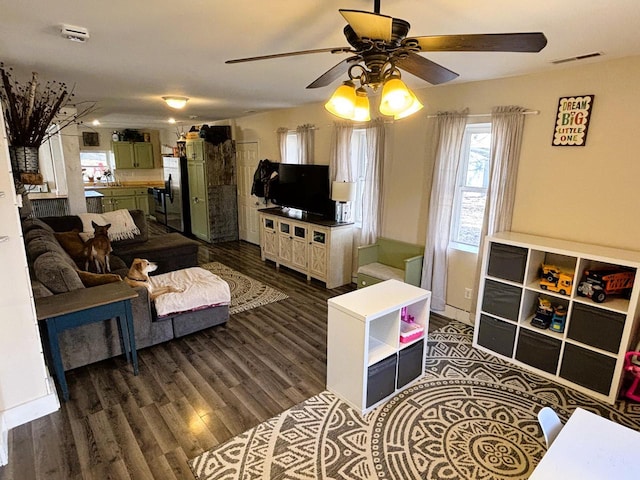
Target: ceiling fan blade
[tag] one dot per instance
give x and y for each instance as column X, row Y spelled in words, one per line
column 335, row 72
column 369, row 25
column 426, row 69
column 490, row 42
column 292, row 54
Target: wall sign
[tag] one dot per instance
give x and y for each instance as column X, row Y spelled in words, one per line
column 572, row 121
column 90, row 139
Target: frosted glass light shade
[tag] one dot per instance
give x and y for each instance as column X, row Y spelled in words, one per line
column 343, row 101
column 361, row 110
column 395, row 98
column 343, row 191
column 176, row 102
column 413, row 108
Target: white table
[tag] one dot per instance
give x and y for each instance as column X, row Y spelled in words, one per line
column 591, row 447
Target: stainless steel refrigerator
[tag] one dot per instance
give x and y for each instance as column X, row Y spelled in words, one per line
column 176, row 186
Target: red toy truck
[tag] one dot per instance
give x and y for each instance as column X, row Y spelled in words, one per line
column 600, row 283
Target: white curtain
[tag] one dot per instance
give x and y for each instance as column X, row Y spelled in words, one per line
column 449, row 132
column 371, row 201
column 306, row 143
column 340, row 167
column 282, row 133
column 507, row 126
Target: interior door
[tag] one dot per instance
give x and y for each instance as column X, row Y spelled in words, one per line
column 198, row 200
column 248, row 205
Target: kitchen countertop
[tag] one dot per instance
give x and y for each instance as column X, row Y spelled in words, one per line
column 126, row 185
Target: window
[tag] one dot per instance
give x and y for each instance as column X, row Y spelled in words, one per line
column 94, row 164
column 359, row 164
column 471, row 187
column 292, row 147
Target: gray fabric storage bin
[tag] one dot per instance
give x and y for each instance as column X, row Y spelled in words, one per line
column 410, row 363
column 507, row 262
column 496, row 335
column 587, row 368
column 538, row 350
column 501, row 299
column 381, row 379
column 596, row 327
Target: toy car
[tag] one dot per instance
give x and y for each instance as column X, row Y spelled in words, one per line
column 544, row 313
column 598, row 284
column 559, row 319
column 556, row 280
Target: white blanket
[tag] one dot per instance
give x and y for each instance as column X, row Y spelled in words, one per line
column 201, row 289
column 122, row 224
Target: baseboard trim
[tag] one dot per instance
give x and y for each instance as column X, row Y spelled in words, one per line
column 4, row 441
column 33, row 409
column 457, row 314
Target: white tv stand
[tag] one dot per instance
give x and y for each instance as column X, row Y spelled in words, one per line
column 319, row 248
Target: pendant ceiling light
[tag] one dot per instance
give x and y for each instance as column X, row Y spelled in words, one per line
column 396, row 100
column 176, row 102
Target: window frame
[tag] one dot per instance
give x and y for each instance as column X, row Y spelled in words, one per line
column 461, row 188
column 359, row 165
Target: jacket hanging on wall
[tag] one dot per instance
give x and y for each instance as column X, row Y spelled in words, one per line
column 264, row 177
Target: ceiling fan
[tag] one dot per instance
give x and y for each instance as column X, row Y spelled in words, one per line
column 380, row 42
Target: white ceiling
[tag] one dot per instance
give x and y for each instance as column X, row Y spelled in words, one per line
column 140, row 50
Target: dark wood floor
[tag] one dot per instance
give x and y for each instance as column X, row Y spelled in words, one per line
column 192, row 393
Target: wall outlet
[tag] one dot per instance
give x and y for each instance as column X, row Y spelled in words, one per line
column 467, row 293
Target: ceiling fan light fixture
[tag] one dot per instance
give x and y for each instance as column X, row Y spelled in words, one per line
column 395, row 97
column 361, row 111
column 176, row 102
column 343, row 101
column 413, row 108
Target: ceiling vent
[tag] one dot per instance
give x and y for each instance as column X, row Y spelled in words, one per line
column 579, row 57
column 75, row 34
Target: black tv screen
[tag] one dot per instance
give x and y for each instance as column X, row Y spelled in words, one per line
column 305, row 187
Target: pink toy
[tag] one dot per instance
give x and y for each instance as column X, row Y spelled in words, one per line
column 410, row 331
column 633, row 392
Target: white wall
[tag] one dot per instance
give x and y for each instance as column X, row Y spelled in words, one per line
column 586, row 194
column 24, row 382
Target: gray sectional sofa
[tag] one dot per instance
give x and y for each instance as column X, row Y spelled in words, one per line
column 54, row 271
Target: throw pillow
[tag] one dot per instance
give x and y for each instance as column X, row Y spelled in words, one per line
column 72, row 244
column 89, row 279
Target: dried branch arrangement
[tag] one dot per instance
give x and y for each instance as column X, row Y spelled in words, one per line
column 29, row 110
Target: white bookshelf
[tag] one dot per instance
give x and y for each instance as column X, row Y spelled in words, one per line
column 366, row 362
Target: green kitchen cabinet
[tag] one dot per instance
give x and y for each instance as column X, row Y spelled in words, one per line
column 131, row 155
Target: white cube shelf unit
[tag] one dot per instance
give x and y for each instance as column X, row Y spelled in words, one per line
column 366, row 362
column 588, row 354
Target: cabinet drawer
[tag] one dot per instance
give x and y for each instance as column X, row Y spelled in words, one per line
column 587, row 368
column 538, row 350
column 381, row 379
column 507, row 262
column 596, row 327
column 501, row 299
column 410, row 363
column 496, row 335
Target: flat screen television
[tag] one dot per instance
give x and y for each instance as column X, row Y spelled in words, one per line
column 305, row 187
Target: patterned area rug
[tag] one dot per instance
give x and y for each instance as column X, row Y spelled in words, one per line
column 246, row 293
column 472, row 416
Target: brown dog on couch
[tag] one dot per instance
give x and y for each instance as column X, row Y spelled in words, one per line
column 138, row 276
column 98, row 248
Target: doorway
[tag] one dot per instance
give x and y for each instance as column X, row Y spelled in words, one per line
column 248, row 205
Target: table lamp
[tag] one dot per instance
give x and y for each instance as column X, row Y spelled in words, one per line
column 343, row 193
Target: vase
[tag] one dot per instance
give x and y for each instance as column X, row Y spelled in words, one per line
column 24, row 159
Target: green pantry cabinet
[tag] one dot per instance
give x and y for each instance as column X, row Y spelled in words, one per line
column 130, row 155
column 589, row 354
column 213, row 198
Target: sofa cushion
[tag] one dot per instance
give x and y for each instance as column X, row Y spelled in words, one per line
column 39, row 290
column 381, row 271
column 90, row 279
column 37, row 233
column 170, row 251
column 55, row 273
column 31, row 223
column 41, row 245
